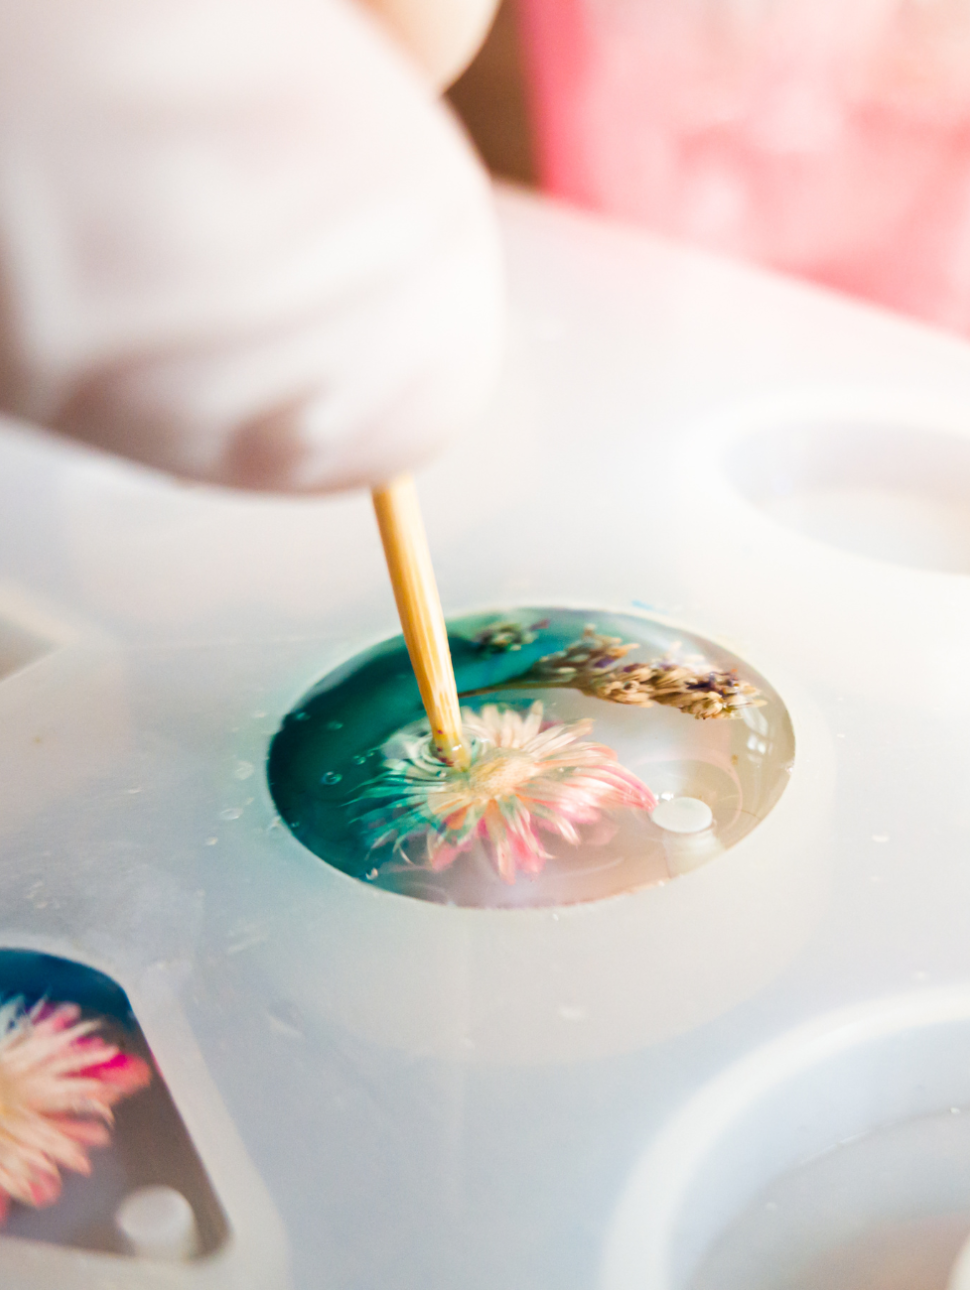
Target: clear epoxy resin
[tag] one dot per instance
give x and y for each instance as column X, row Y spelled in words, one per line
column 611, row 752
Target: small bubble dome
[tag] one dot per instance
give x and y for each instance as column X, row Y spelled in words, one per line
column 584, row 726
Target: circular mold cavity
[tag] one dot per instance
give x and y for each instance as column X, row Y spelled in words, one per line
column 331, row 763
column 896, row 494
column 838, row 1155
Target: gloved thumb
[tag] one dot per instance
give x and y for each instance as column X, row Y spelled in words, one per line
column 239, row 240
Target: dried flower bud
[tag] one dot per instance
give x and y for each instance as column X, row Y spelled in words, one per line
column 704, row 695
column 505, row 637
column 594, row 666
column 585, row 659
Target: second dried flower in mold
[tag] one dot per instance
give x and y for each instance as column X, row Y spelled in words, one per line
column 58, row 1083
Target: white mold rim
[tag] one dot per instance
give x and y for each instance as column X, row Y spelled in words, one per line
column 863, row 1066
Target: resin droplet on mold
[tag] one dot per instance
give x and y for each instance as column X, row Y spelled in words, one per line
column 58, row 1083
column 526, row 776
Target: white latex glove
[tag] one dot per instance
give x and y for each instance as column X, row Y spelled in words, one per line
column 442, row 35
column 239, row 239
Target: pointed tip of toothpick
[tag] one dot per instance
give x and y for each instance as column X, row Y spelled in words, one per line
column 419, row 609
column 454, row 754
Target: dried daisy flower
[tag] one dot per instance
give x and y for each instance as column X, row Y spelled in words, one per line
column 526, row 775
column 58, row 1083
column 594, row 666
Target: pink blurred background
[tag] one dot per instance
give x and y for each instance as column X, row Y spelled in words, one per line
column 827, row 138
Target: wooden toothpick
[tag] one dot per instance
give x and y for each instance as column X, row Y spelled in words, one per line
column 419, row 608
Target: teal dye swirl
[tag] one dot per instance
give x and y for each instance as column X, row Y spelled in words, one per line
column 329, row 747
column 333, row 746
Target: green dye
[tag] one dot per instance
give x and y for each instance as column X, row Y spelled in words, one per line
column 335, row 743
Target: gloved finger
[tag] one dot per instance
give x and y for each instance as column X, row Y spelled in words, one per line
column 442, row 36
column 239, row 240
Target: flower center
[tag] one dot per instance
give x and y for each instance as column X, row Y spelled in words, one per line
column 500, row 772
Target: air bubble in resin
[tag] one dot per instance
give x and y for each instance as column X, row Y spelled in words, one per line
column 713, row 780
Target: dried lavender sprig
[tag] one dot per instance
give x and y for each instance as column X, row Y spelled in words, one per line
column 704, row 695
column 584, row 661
column 593, row 665
column 506, row 637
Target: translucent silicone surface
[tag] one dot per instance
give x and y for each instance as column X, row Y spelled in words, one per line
column 388, row 1092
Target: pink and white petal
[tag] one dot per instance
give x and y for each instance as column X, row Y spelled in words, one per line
column 563, row 828
column 497, row 834
column 61, row 1014
column 550, row 741
column 122, row 1072
column 44, row 1189
column 531, row 726
column 504, row 861
column 522, row 827
column 510, row 730
column 19, row 1178
column 42, row 1046
column 56, row 1146
column 441, row 855
column 514, row 844
column 526, row 857
column 79, row 1058
column 91, row 1133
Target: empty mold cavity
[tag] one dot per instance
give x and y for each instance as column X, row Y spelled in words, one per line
column 714, row 779
column 892, row 493
column 889, row 1211
column 837, row 1156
